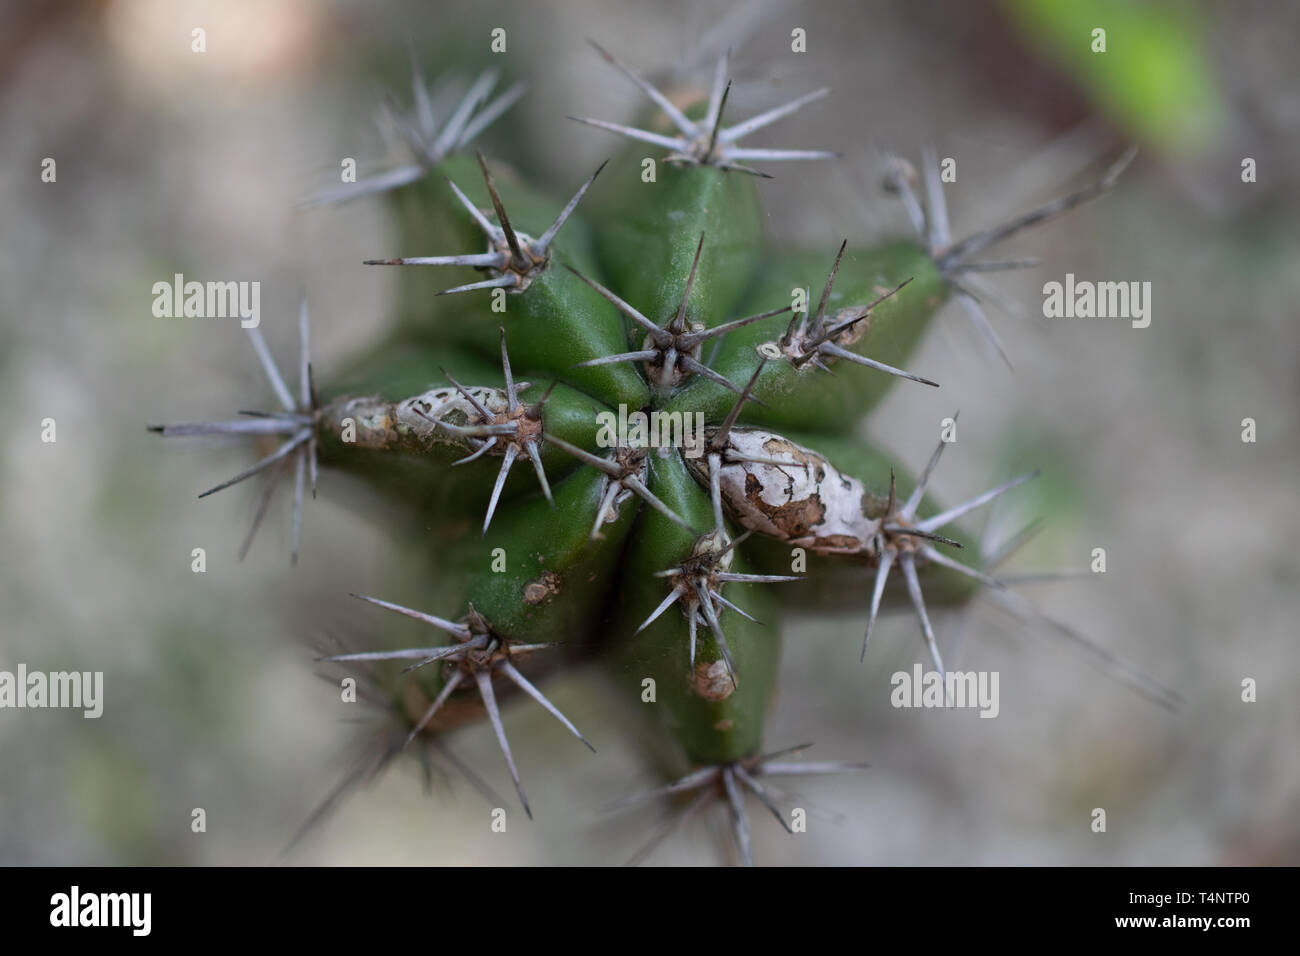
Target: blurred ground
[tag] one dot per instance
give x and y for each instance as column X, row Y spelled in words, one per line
column 170, row 161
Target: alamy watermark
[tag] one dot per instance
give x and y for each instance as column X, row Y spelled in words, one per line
column 920, row 688
column 208, row 300
column 638, row 429
column 83, row 690
column 1085, row 299
column 75, row 908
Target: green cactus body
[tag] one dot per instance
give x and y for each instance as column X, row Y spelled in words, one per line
column 713, row 719
column 648, row 242
column 662, row 560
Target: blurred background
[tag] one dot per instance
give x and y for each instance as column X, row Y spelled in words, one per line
column 171, row 161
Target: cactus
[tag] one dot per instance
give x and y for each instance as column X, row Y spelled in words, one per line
column 510, row 410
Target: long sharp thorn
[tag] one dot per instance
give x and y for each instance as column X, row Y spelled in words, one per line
column 367, row 767
column 584, row 456
column 606, row 503
column 666, row 828
column 523, row 683
column 916, row 533
column 512, row 396
column 717, row 94
column 952, row 514
column 717, row 121
column 271, row 480
column 483, row 450
column 839, row 352
column 299, row 478
column 493, row 231
column 531, row 448
column 673, row 597
column 406, row 654
column 1050, row 210
column 908, row 511
column 469, row 396
column 631, row 132
column 739, row 824
column 740, row 130
column 724, row 430
column 820, row 318
column 475, row 259
column 938, row 557
column 512, row 451
column 380, row 182
column 489, row 113
column 678, row 118
column 451, row 627
column 897, row 176
column 699, row 368
column 995, row 557
column 918, row 601
column 1001, row 265
column 544, row 241
column 641, row 356
column 452, row 133
column 764, row 797
column 272, row 371
column 313, row 463
column 882, row 575
column 441, row 654
column 866, row 311
column 484, row 681
column 304, row 359
column 940, row 235
column 500, row 282
column 715, row 491
column 706, row 604
column 691, row 781
column 679, row 321
column 731, row 577
column 976, row 313
column 1112, row 665
column 420, row 94
column 669, row 366
column 637, row 487
column 659, row 335
column 694, row 338
column 453, row 681
column 741, row 611
column 691, row 627
column 812, row 767
column 763, row 759
column 269, row 424
column 511, row 239
column 781, row 155
column 281, row 452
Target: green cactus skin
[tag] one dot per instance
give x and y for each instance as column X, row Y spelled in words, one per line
column 648, row 241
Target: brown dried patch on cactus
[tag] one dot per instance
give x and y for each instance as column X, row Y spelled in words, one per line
column 542, row 590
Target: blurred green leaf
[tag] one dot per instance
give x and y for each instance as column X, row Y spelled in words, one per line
column 1153, row 77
